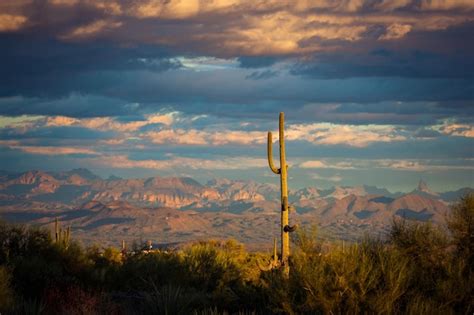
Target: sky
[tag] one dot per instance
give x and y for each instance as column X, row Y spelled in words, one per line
column 374, row 92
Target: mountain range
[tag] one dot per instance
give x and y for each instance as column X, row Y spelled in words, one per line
column 173, row 210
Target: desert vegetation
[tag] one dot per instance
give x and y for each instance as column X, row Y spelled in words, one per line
column 417, row 268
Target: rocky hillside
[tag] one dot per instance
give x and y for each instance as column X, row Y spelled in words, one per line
column 172, row 209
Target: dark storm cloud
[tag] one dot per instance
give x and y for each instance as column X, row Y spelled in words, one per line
column 420, row 54
column 95, row 58
column 47, row 67
column 72, row 105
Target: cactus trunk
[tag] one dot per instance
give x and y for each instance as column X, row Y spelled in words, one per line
column 285, row 237
column 56, row 230
column 282, row 171
column 68, row 235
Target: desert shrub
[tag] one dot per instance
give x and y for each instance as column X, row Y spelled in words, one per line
column 77, row 300
column 142, row 272
column 212, row 264
column 459, row 291
column 418, row 269
column 104, row 266
column 6, row 292
column 17, row 241
column 215, row 311
column 362, row 278
column 220, row 269
column 461, row 225
column 426, row 247
column 29, row 307
column 170, row 299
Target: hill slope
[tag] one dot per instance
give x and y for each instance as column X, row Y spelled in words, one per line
column 179, row 209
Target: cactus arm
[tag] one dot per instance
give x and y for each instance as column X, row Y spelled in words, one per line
column 289, row 229
column 275, row 254
column 270, row 154
column 264, row 268
column 273, row 263
column 68, row 235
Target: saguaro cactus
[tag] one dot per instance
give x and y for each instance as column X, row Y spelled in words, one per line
column 282, row 171
column 123, row 251
column 67, row 236
column 61, row 236
column 56, row 230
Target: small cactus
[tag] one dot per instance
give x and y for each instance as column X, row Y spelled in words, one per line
column 124, row 248
column 56, row 230
column 61, row 236
column 67, row 236
column 282, row 171
column 274, row 262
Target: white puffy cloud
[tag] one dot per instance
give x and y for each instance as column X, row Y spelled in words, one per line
column 349, row 135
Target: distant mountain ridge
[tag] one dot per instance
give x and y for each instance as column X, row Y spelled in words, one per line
column 180, row 208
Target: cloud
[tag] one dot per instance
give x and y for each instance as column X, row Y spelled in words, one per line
column 200, row 137
column 313, row 164
column 424, row 165
column 460, row 130
column 334, row 178
column 368, row 165
column 401, row 165
column 447, row 4
column 238, row 28
column 177, row 129
column 426, row 133
column 46, row 150
column 91, row 29
column 349, row 135
column 234, row 163
column 22, row 123
column 343, row 165
column 111, row 124
column 253, row 62
column 395, row 31
column 10, row 22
